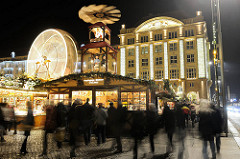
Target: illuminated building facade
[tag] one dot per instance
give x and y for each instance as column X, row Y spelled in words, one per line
column 13, row 66
column 167, row 48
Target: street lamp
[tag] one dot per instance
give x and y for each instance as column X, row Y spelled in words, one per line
column 218, row 58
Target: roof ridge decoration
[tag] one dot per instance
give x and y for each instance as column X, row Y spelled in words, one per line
column 79, row 76
column 158, row 23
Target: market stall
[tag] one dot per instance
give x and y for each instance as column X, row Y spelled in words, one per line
column 101, row 88
column 17, row 98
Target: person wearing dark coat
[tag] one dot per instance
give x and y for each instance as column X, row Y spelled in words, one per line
column 50, row 125
column 101, row 117
column 118, row 117
column 206, row 128
column 138, row 130
column 151, row 127
column 2, row 123
column 181, row 131
column 61, row 120
column 87, row 121
column 75, row 124
column 218, row 122
column 29, row 122
column 169, row 123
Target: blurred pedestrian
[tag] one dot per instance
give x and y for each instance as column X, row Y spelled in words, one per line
column 218, row 122
column 193, row 115
column 169, row 123
column 181, row 131
column 118, row 117
column 7, row 114
column 101, row 117
column 61, row 122
column 28, row 124
column 152, row 119
column 138, row 130
column 206, row 128
column 87, row 121
column 111, row 122
column 75, row 126
column 50, row 124
column 2, row 124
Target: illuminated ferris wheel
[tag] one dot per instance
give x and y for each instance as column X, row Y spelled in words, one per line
column 53, row 54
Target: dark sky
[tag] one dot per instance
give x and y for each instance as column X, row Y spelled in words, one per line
column 21, row 21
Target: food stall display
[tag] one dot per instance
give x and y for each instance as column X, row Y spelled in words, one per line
column 105, row 97
column 83, row 95
column 18, row 99
column 59, row 98
column 134, row 100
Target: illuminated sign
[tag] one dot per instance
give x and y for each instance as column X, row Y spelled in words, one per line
column 93, row 81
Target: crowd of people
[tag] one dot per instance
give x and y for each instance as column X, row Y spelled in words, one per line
column 76, row 123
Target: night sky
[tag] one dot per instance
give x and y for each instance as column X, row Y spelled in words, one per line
column 22, row 21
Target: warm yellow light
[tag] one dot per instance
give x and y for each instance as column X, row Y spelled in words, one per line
column 214, row 52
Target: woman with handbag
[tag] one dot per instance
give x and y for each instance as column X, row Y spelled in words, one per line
column 28, row 124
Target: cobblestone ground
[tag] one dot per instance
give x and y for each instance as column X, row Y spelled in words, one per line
column 11, row 147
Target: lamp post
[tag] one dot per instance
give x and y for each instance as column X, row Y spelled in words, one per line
column 218, row 60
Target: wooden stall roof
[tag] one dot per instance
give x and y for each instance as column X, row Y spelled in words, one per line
column 109, row 80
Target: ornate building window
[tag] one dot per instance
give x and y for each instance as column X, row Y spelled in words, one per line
column 190, row 58
column 172, row 35
column 158, row 61
column 189, row 33
column 173, row 59
column 189, row 45
column 131, row 63
column 144, row 62
column 191, row 73
column 131, row 52
column 173, row 46
column 158, row 48
column 157, row 37
column 144, row 50
column 159, row 74
column 174, row 74
column 130, row 41
column 144, row 39
column 145, row 75
column 191, row 84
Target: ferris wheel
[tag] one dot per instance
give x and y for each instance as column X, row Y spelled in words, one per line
column 53, row 54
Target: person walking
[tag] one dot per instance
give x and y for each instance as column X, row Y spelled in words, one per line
column 138, row 130
column 29, row 123
column 151, row 116
column 61, row 122
column 2, row 124
column 193, row 115
column 169, row 124
column 217, row 123
column 101, row 117
column 75, row 125
column 117, row 119
column 181, row 131
column 206, row 128
column 87, row 121
column 50, row 125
